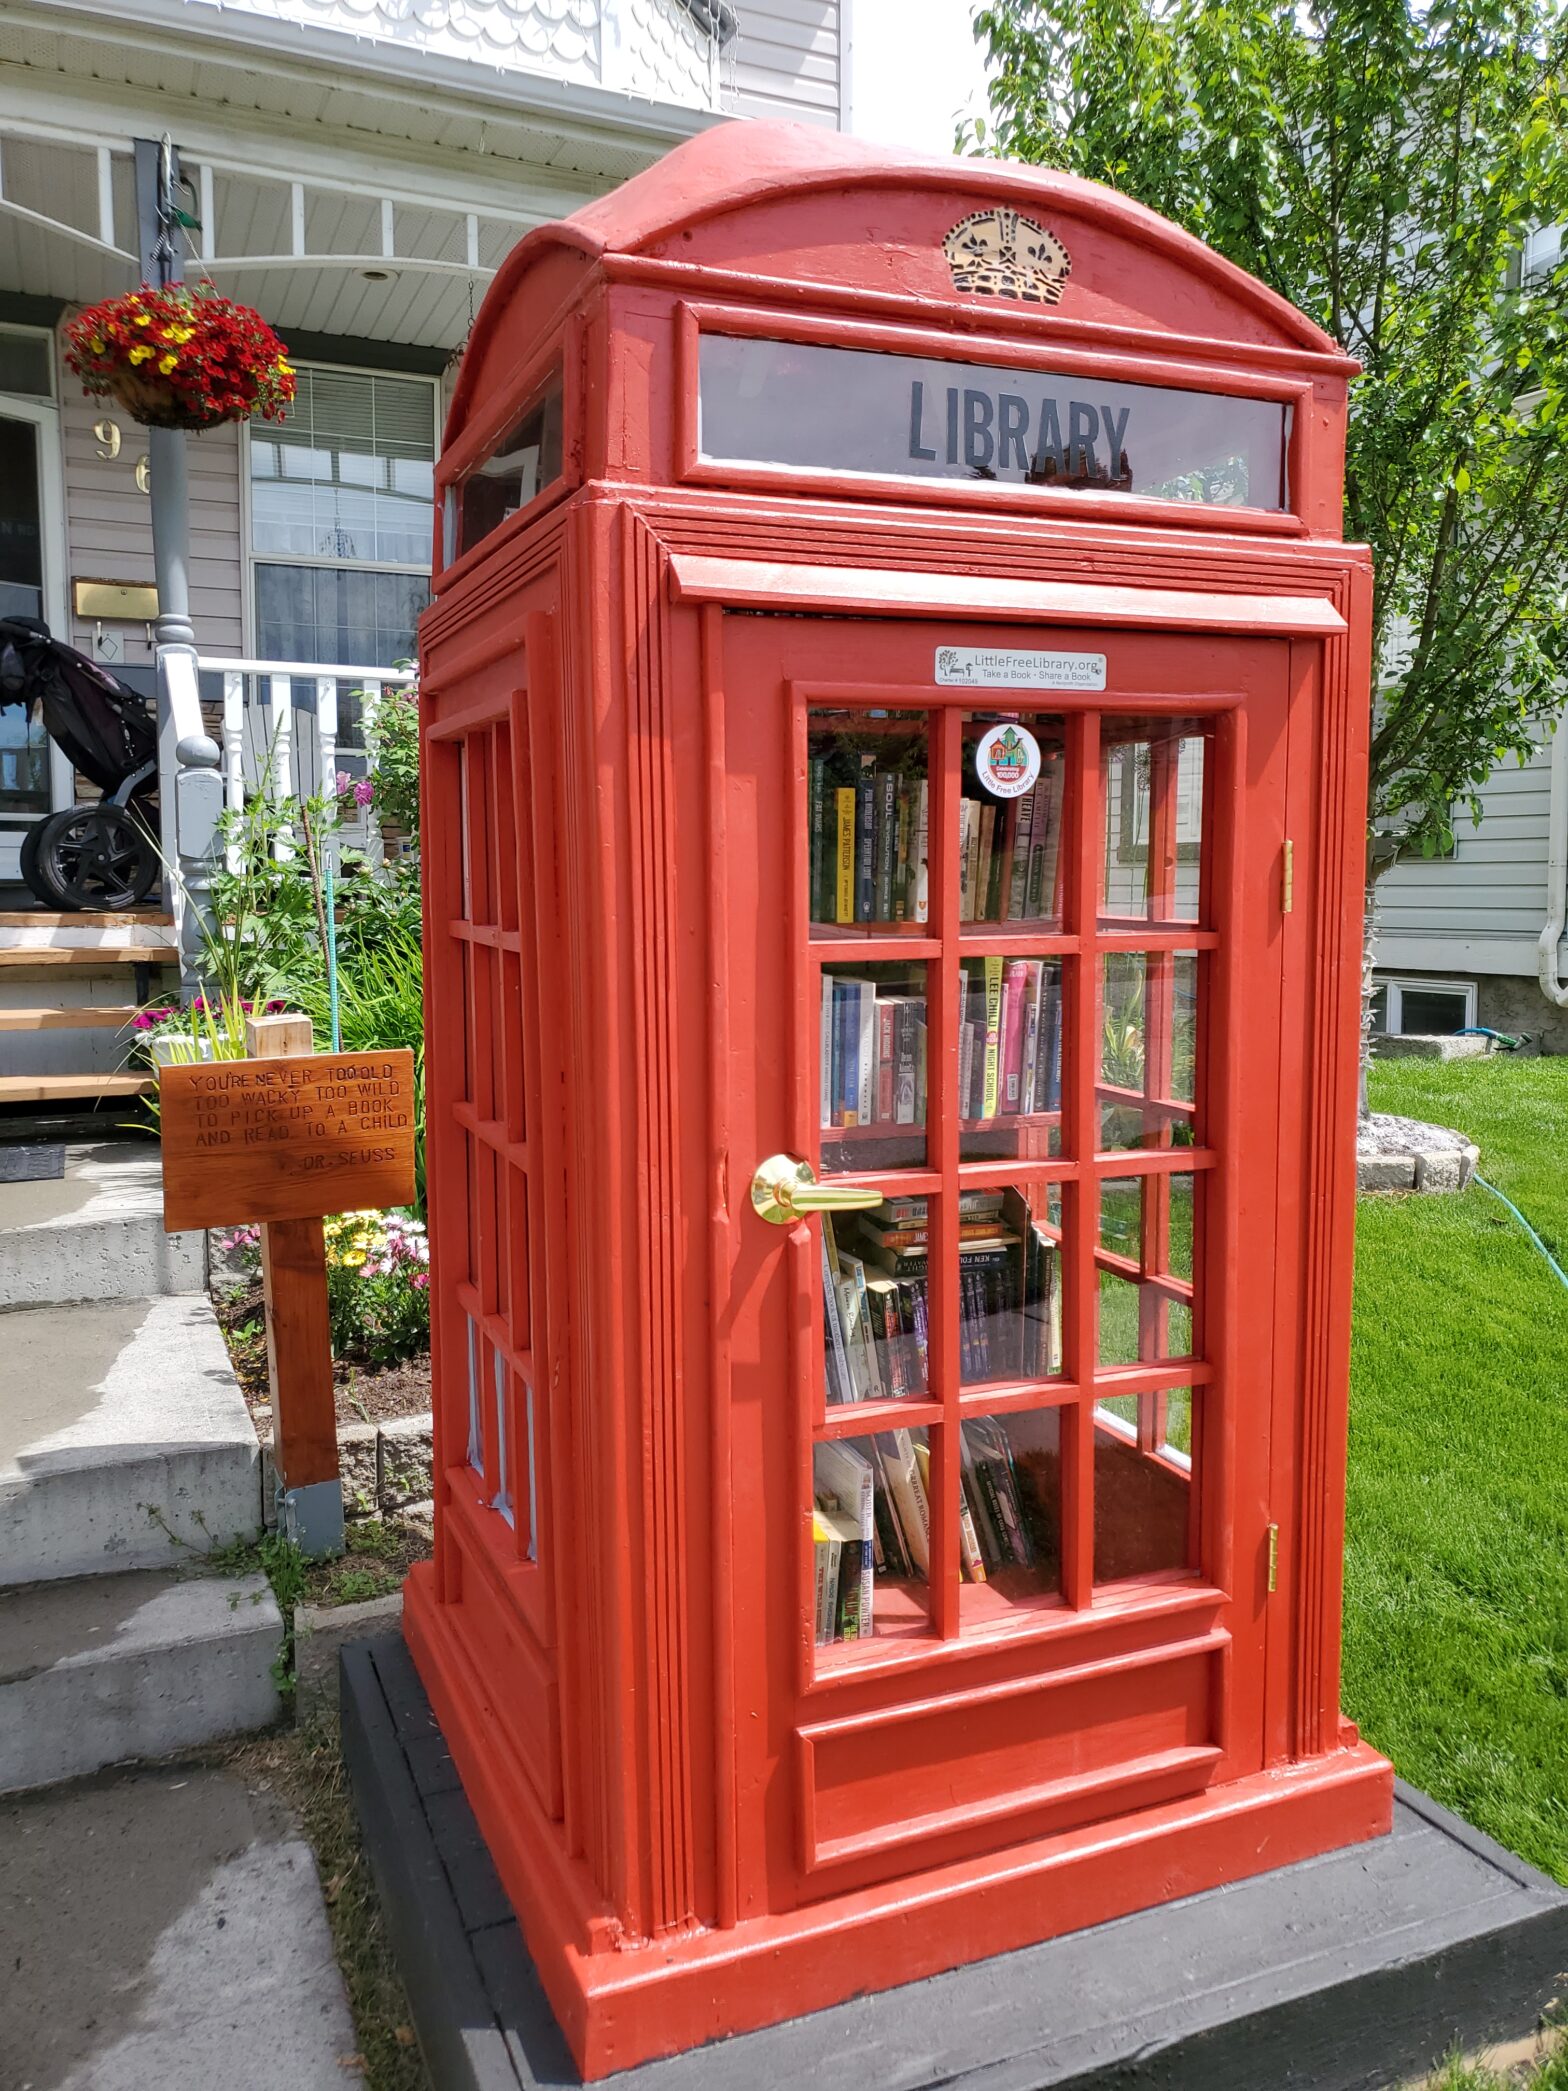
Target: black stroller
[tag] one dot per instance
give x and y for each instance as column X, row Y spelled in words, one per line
column 103, row 854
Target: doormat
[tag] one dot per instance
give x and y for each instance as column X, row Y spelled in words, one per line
column 31, row 1164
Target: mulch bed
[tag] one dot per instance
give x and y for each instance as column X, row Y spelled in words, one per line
column 365, row 1393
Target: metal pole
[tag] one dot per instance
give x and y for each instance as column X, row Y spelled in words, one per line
column 189, row 784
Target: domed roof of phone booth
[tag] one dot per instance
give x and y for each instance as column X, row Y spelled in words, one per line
column 730, row 198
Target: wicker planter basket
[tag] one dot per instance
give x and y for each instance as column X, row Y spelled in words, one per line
column 153, row 402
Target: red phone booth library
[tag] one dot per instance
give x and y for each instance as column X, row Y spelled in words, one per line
column 894, row 719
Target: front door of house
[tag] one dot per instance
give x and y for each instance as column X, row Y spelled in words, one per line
column 1004, row 971
column 34, row 777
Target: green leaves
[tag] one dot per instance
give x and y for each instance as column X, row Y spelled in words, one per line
column 1380, row 164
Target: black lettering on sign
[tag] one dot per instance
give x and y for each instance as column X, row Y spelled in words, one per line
column 979, row 445
column 1012, row 425
column 1083, row 425
column 1048, row 460
column 917, row 410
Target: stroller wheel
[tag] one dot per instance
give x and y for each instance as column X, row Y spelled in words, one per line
column 94, row 857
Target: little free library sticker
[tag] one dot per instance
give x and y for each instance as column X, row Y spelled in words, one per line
column 251, row 1140
column 1018, row 668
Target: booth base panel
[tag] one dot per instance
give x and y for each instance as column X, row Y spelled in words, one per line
column 1345, row 1972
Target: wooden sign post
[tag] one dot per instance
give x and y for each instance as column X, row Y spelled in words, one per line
column 283, row 1138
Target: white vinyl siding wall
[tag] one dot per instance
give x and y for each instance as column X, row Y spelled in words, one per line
column 784, row 61
column 1481, row 910
column 109, row 524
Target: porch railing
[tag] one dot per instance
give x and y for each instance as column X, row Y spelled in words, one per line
column 261, row 732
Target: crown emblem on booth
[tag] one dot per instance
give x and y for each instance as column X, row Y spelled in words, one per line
column 1002, row 254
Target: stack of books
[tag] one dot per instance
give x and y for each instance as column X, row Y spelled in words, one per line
column 869, row 830
column 872, row 1047
column 872, row 1495
column 1009, row 851
column 1009, row 1038
column 873, row 1054
column 869, row 817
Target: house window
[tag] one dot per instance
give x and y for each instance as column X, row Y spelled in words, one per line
column 1543, row 250
column 340, row 523
column 1422, row 1008
column 27, row 362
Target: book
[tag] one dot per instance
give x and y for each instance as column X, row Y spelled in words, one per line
column 1015, row 991
column 826, row 1548
column 866, row 840
column 844, row 858
column 896, row 1450
column 817, row 828
column 885, row 849
column 921, row 871
column 991, row 1089
column 845, row 1619
column 845, row 1474
column 840, row 1383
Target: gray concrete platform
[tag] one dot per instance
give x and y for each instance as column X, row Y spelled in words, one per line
column 111, row 1668
column 96, row 1233
column 166, row 1928
column 122, row 1432
column 1352, row 1972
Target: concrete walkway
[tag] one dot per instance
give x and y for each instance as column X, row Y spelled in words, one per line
column 164, row 1930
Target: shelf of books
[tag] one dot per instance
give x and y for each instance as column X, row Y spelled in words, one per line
column 1068, row 1417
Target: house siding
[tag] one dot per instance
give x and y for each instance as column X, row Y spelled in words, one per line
column 1481, row 910
column 785, row 61
column 109, row 533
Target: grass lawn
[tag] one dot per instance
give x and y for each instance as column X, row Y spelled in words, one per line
column 1456, row 1600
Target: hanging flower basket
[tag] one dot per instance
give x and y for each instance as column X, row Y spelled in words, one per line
column 181, row 357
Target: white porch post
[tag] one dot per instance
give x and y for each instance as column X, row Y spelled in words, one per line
column 189, row 785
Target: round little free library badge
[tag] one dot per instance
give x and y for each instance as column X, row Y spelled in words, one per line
column 1007, row 761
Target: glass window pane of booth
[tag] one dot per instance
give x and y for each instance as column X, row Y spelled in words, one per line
column 1009, row 1058
column 1148, row 1049
column 1010, row 1523
column 1144, row 1487
column 870, row 1538
column 876, row 1330
column 1152, row 783
column 1009, row 1285
column 868, row 823
column 1145, row 1262
column 1009, row 847
column 873, row 1066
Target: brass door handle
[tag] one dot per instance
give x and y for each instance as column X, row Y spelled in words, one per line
column 784, row 1191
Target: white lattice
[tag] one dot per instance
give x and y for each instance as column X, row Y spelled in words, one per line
column 556, row 36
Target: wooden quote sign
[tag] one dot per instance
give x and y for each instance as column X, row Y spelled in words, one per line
column 249, row 1140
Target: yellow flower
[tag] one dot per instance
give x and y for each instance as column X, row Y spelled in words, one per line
column 96, row 344
column 353, row 1258
column 142, row 320
column 140, row 355
column 167, row 363
column 178, row 334
column 285, row 370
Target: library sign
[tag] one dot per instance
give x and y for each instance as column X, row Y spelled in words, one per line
column 810, row 408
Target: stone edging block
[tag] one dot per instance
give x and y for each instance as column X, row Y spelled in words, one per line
column 385, row 1466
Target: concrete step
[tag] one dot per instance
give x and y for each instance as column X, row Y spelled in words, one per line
column 124, row 1439
column 96, row 1233
column 131, row 1666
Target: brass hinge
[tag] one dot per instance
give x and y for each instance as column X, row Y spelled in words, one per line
column 1287, row 883
column 1273, row 1559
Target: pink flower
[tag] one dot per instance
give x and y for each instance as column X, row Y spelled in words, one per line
column 344, row 783
column 420, row 1280
column 364, row 792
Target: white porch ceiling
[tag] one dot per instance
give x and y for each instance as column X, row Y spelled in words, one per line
column 334, row 203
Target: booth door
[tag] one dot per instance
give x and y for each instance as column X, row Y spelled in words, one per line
column 1003, row 974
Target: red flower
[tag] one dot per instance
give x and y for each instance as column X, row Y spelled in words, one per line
column 218, row 361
